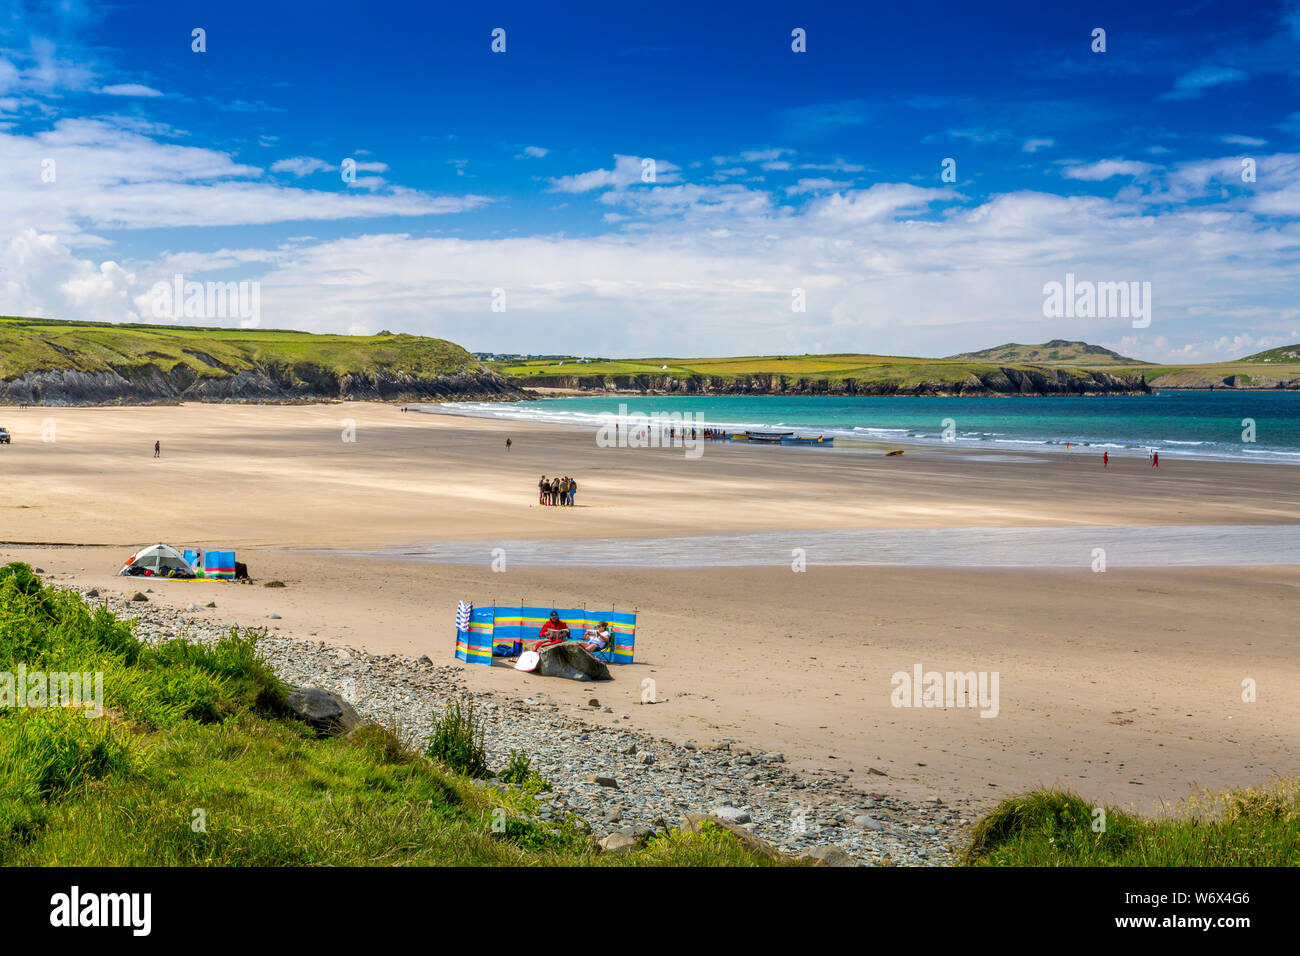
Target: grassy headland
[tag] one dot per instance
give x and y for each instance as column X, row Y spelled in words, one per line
column 45, row 360
column 1056, row 367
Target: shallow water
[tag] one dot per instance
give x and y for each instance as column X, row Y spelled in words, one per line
column 1033, row 547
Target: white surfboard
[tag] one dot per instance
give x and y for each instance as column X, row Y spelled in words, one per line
column 528, row 660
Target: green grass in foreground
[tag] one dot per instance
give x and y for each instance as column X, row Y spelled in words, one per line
column 189, row 728
column 1243, row 827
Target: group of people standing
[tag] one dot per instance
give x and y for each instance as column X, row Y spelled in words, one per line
column 556, row 491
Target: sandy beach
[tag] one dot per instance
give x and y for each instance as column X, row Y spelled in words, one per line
column 1126, row 686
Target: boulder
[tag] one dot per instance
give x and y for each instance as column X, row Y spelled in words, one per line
column 324, row 710
column 618, row 843
column 731, row 814
column 831, row 856
column 138, row 596
column 571, row 660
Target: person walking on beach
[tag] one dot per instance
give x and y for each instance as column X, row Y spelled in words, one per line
column 1155, row 459
column 157, row 449
column 508, row 443
column 1105, row 459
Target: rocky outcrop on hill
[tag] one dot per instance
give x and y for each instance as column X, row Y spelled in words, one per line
column 149, row 384
column 996, row 381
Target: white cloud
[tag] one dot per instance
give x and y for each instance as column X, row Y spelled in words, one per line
column 1238, row 140
column 818, row 185
column 533, row 152
column 130, row 89
column 300, row 166
column 1105, row 169
column 628, row 170
column 1034, row 145
column 1202, row 79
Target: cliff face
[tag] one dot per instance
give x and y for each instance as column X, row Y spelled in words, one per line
column 148, row 384
column 1001, row 381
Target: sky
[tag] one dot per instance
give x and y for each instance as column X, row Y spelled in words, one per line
column 668, row 179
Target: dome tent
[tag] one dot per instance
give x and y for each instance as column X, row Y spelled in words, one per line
column 158, row 560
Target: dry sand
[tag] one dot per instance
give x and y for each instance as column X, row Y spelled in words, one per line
column 1126, row 686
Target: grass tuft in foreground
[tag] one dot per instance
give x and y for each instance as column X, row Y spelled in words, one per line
column 1257, row 826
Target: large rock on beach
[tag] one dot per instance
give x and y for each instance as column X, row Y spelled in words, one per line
column 324, row 710
column 571, row 660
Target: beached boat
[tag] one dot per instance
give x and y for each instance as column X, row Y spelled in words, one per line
column 819, row 440
column 768, row 436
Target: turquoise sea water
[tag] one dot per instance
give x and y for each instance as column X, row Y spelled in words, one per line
column 1196, row 424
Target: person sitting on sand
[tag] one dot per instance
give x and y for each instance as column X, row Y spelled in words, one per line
column 596, row 638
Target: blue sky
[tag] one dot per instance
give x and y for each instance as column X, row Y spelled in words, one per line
column 774, row 170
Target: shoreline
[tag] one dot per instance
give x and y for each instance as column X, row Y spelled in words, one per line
column 860, row 438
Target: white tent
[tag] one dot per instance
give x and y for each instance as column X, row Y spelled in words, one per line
column 158, row 559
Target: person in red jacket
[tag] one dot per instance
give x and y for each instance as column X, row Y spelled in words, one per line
column 553, row 631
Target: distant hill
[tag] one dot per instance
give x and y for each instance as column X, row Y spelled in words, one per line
column 1055, row 352
column 1284, row 354
column 51, row 362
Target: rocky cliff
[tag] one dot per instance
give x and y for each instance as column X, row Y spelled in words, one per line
column 148, row 384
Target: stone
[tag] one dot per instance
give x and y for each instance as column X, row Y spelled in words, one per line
column 832, row 856
column 93, row 592
column 646, row 758
column 593, row 702
column 868, row 823
column 618, row 843
column 571, row 661
column 138, row 596
column 195, row 607
column 325, row 711
column 211, row 604
column 878, row 773
column 273, row 584
column 273, row 617
column 425, row 659
column 603, row 781
column 730, row 815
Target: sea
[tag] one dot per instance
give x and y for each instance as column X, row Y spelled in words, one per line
column 1261, row 426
